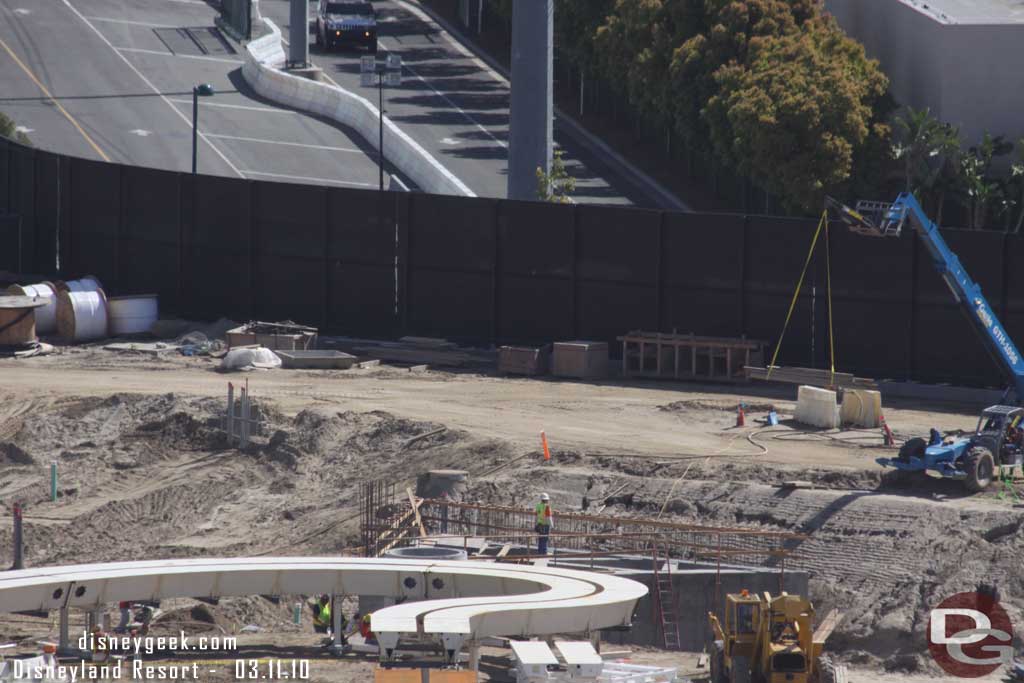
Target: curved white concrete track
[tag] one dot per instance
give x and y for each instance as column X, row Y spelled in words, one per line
column 471, row 600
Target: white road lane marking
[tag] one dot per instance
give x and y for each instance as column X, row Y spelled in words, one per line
column 152, row 87
column 141, row 132
column 459, row 47
column 286, row 144
column 310, row 179
column 23, row 129
column 454, row 106
column 164, row 53
column 266, row 110
column 22, row 11
column 109, row 20
column 399, row 181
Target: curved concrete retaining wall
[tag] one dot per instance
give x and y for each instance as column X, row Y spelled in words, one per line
column 263, row 71
column 477, row 599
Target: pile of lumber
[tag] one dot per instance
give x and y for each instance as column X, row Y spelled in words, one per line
column 416, row 351
column 810, row 377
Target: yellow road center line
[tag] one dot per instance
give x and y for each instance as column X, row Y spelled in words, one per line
column 52, row 99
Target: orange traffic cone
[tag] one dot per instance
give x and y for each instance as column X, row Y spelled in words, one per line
column 544, row 443
column 887, row 438
column 741, row 419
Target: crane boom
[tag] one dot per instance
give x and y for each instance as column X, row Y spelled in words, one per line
column 966, row 291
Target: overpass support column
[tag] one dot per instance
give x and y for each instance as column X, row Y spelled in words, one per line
column 530, row 118
column 298, row 37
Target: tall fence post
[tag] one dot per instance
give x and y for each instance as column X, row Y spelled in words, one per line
column 122, row 225
column 65, row 238
column 661, row 272
column 574, row 271
column 251, row 233
column 499, row 218
column 326, row 309
column 915, row 295
column 181, row 243
column 405, row 212
column 743, row 252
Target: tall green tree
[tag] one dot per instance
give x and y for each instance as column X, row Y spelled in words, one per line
column 635, row 47
column 576, row 25
column 983, row 188
column 715, row 34
column 794, row 114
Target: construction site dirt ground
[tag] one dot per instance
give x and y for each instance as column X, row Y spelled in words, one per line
column 146, row 472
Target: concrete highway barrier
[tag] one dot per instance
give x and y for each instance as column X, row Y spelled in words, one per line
column 263, row 70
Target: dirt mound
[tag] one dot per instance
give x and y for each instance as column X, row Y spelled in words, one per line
column 705, row 404
column 184, row 431
column 10, row 454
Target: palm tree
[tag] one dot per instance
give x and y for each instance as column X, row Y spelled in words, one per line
column 1017, row 178
column 981, row 187
column 928, row 150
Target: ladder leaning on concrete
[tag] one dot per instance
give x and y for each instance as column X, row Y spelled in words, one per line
column 665, row 600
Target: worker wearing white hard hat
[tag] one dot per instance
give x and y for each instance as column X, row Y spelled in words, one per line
column 544, row 523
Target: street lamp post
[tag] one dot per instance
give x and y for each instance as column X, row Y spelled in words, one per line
column 201, row 90
column 385, row 73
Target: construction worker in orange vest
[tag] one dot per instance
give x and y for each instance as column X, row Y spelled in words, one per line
column 544, row 523
column 365, row 630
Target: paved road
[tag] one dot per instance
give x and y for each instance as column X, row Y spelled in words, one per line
column 455, row 106
column 112, row 79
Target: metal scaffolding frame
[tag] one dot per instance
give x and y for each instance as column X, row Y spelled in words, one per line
column 392, row 520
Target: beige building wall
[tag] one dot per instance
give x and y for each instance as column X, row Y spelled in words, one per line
column 968, row 74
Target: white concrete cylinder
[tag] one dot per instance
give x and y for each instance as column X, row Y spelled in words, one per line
column 132, row 314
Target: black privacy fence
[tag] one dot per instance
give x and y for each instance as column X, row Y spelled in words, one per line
column 366, row 263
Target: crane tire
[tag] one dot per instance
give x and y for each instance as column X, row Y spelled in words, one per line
column 980, row 467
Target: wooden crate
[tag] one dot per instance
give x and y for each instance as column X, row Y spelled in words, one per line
column 524, row 360
column 580, row 359
column 273, row 337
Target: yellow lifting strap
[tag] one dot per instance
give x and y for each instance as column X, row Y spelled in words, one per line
column 828, row 280
column 822, row 225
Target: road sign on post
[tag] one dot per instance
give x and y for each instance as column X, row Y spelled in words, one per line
column 384, row 73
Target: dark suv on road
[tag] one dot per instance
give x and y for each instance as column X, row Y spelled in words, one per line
column 346, row 23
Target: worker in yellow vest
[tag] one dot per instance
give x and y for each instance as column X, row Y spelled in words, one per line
column 322, row 615
column 544, row 523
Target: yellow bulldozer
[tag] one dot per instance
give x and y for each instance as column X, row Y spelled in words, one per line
column 769, row 639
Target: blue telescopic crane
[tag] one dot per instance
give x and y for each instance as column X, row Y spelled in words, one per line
column 998, row 440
